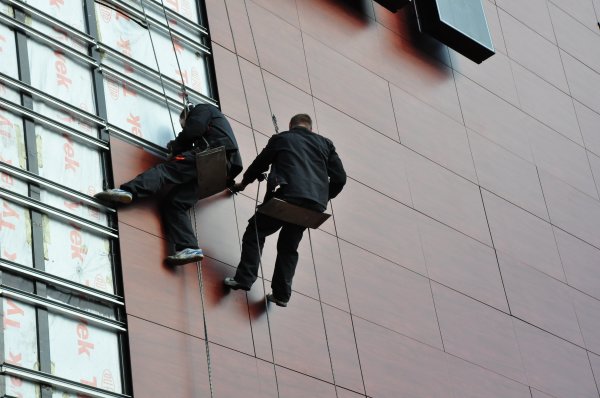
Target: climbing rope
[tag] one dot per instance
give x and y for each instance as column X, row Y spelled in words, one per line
column 185, row 105
column 162, row 85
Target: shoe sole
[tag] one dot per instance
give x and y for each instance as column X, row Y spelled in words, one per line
column 182, row 261
column 123, row 199
column 236, row 286
column 277, row 302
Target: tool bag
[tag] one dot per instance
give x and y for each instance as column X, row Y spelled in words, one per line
column 293, row 214
column 211, row 165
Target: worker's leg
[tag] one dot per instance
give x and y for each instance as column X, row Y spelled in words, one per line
column 176, row 220
column 287, row 259
column 253, row 241
column 179, row 170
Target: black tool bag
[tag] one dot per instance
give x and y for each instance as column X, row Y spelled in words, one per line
column 211, row 165
column 292, row 213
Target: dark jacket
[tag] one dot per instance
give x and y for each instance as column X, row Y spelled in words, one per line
column 206, row 122
column 303, row 164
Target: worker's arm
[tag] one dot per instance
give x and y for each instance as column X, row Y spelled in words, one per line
column 336, row 172
column 259, row 165
column 195, row 127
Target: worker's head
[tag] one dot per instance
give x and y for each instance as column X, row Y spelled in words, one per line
column 185, row 113
column 301, row 120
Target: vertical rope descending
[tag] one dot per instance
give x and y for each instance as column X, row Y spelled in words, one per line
column 184, row 99
column 265, row 288
column 183, row 89
column 162, row 85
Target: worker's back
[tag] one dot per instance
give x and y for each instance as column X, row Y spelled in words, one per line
column 303, row 165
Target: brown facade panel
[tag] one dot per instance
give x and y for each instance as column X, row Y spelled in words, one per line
column 166, row 362
column 533, row 51
column 462, row 263
column 433, row 134
column 461, row 258
column 507, row 175
column 127, row 162
column 478, row 333
column 554, row 365
column 270, row 47
column 403, row 300
column 231, row 87
column 523, row 236
column 381, row 225
column 342, row 349
column 156, row 292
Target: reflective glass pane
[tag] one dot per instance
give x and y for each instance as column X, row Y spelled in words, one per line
column 68, row 11
column 77, row 255
column 20, row 344
column 55, row 73
column 85, row 353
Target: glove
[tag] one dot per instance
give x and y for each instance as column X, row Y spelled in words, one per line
column 170, row 153
column 237, row 187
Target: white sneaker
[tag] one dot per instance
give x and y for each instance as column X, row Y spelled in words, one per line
column 185, row 256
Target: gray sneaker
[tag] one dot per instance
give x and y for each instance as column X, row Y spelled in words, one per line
column 115, row 195
column 185, row 256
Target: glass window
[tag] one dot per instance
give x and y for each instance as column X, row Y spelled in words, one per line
column 8, row 47
column 77, row 255
column 20, row 344
column 55, row 73
column 85, row 353
column 68, row 11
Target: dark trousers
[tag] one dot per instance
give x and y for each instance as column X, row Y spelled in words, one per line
column 180, row 171
column 287, row 253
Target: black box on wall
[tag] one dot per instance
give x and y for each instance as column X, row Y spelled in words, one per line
column 459, row 24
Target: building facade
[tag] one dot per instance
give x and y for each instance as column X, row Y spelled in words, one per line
column 462, row 258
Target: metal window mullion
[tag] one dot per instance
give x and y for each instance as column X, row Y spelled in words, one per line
column 49, row 279
column 58, row 213
column 63, row 309
column 148, row 145
column 42, row 326
column 25, row 87
column 141, row 86
column 58, row 382
column 52, row 20
column 52, row 186
column 172, row 82
column 44, row 120
column 47, row 40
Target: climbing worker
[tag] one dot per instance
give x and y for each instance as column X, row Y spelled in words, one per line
column 203, row 126
column 305, row 171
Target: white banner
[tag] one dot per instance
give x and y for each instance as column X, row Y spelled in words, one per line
column 20, row 344
column 15, row 221
column 8, row 48
column 56, row 74
column 77, row 255
column 84, row 353
column 69, row 12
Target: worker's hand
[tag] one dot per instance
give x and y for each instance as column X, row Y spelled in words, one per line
column 237, row 187
column 170, row 153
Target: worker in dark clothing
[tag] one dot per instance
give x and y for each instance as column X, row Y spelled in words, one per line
column 305, row 171
column 204, row 126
